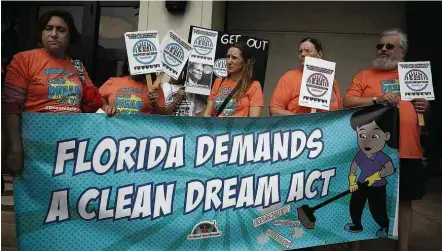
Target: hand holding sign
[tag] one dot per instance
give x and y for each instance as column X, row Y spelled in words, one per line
column 416, row 85
column 317, row 84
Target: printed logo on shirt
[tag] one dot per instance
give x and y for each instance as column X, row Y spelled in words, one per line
column 230, row 108
column 61, row 89
column 390, row 85
column 128, row 103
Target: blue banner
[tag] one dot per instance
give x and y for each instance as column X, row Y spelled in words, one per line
column 138, row 182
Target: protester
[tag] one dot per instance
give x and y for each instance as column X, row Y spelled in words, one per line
column 380, row 84
column 45, row 80
column 285, row 97
column 128, row 94
column 180, row 103
column 247, row 99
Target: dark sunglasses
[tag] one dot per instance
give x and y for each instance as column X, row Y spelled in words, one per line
column 388, row 46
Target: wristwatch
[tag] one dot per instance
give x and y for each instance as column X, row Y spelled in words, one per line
column 375, row 100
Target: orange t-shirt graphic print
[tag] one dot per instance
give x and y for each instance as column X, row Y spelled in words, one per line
column 236, row 108
column 286, row 94
column 52, row 85
column 129, row 96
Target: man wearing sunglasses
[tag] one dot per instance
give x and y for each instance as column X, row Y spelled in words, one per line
column 381, row 84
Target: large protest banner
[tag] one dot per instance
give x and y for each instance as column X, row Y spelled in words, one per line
column 141, row 182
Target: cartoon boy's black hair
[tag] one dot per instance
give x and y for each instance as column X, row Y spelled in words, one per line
column 385, row 116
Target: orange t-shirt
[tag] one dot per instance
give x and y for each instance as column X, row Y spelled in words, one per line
column 220, row 91
column 371, row 83
column 286, row 94
column 52, row 85
column 129, row 96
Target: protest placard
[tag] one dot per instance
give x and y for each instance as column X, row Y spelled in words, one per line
column 201, row 61
column 143, row 52
column 175, row 52
column 317, row 83
column 415, row 80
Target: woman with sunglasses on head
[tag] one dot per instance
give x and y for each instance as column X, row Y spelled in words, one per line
column 247, row 98
column 45, row 80
column 285, row 97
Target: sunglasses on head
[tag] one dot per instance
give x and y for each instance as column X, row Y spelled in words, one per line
column 388, row 46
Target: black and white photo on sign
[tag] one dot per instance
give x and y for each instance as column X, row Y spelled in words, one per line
column 191, row 105
column 415, row 80
column 317, row 83
column 199, row 78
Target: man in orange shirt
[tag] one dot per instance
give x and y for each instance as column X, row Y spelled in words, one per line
column 381, row 84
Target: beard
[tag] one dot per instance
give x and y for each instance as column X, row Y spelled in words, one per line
column 385, row 63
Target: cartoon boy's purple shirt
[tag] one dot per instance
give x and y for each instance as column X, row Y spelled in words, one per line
column 371, row 165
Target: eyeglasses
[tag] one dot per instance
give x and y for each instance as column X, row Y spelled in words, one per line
column 388, row 46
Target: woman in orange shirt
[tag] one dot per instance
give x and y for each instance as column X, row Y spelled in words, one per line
column 128, row 94
column 45, row 80
column 286, row 94
column 248, row 99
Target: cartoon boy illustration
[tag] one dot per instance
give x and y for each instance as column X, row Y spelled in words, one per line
column 375, row 128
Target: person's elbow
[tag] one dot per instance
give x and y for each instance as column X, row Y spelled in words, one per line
column 255, row 112
column 273, row 111
column 348, row 102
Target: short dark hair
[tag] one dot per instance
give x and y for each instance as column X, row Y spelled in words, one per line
column 314, row 41
column 385, row 116
column 67, row 18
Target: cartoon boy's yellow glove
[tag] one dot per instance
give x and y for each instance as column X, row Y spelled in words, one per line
column 373, row 178
column 353, row 186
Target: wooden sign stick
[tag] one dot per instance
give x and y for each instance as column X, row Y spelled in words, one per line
column 420, row 118
column 158, row 80
column 149, row 82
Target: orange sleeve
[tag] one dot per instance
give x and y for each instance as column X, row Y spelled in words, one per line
column 104, row 89
column 17, row 72
column 356, row 87
column 338, row 94
column 256, row 95
column 282, row 94
column 160, row 95
column 215, row 89
column 87, row 79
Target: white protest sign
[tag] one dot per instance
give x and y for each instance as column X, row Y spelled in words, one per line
column 317, row 83
column 415, row 80
column 204, row 46
column 220, row 68
column 201, row 61
column 143, row 52
column 175, row 51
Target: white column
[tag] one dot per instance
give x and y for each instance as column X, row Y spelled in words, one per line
column 154, row 16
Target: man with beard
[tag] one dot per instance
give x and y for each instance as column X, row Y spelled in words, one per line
column 381, row 84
